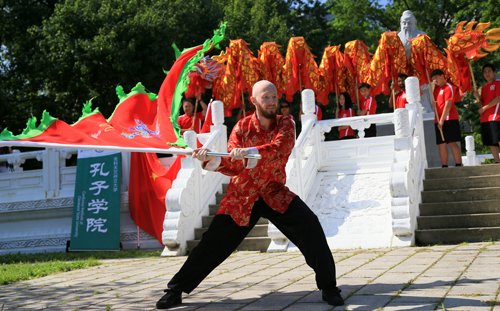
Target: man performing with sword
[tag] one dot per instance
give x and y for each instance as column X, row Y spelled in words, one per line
column 257, row 189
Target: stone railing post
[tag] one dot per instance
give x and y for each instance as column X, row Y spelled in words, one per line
column 408, row 165
column 218, row 121
column 401, row 223
column 51, row 172
column 308, row 105
column 16, row 160
column 414, row 104
column 470, row 158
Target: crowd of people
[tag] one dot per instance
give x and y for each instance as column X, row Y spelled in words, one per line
column 447, row 127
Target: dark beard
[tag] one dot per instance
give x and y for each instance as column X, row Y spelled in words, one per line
column 265, row 114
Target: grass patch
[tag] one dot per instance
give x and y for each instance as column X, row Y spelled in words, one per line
column 11, row 273
column 20, row 267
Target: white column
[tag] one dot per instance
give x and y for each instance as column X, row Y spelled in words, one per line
column 470, row 158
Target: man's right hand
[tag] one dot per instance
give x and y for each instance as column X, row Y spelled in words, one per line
column 201, row 154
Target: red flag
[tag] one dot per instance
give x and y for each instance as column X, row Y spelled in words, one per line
column 149, row 183
column 208, row 119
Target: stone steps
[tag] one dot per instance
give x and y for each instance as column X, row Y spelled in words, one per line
column 462, row 183
column 458, row 195
column 457, row 208
column 256, row 240
column 458, row 235
column 459, row 221
column 460, row 204
column 463, row 171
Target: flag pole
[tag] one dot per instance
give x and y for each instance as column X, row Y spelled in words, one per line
column 138, row 238
column 195, row 109
column 356, row 92
column 300, row 80
column 337, row 96
column 243, row 104
column 394, row 95
column 172, row 150
column 432, row 96
column 473, row 78
column 336, row 91
column 242, row 107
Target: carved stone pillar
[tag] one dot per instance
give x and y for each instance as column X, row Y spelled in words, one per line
column 471, row 159
column 400, row 210
column 308, row 102
column 16, row 160
column 217, row 112
column 190, row 139
column 412, row 89
column 401, row 122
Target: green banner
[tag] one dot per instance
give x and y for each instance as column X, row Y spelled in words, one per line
column 96, row 207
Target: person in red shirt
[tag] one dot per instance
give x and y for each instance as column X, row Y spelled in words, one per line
column 285, row 110
column 368, row 107
column 257, row 189
column 185, row 121
column 490, row 111
column 444, row 102
column 401, row 95
column 346, row 111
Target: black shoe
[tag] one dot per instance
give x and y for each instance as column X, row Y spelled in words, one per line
column 332, row 296
column 170, row 299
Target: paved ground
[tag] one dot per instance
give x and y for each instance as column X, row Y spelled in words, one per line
column 451, row 277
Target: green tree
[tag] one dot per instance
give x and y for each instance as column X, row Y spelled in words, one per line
column 21, row 79
column 256, row 22
column 83, row 49
column 92, row 46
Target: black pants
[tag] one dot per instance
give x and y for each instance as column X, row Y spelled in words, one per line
column 299, row 224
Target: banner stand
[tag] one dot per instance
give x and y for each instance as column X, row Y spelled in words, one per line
column 96, row 208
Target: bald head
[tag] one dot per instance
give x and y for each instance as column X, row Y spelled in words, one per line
column 263, row 85
column 265, row 98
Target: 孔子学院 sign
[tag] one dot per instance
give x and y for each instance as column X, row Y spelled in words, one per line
column 96, row 207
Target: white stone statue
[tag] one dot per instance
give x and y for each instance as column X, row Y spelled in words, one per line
column 409, row 31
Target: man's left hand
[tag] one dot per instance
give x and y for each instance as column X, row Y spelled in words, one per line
column 239, row 153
